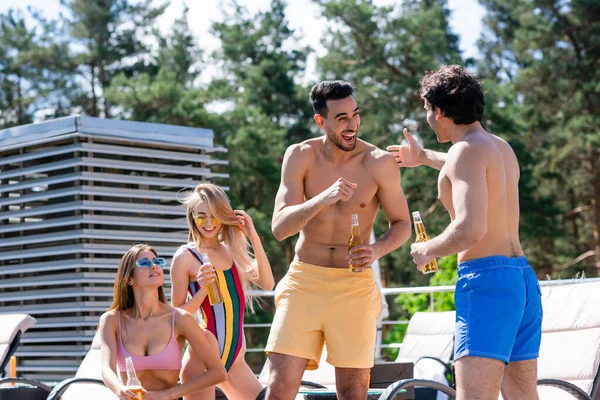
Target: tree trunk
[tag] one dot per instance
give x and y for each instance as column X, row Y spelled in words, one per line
column 94, row 109
column 595, row 181
column 104, row 83
column 573, row 216
column 20, row 119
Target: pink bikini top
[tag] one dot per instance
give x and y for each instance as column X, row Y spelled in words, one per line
column 169, row 358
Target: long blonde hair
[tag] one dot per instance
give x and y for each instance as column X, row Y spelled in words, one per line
column 123, row 298
column 230, row 234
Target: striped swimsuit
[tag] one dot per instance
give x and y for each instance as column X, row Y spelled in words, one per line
column 224, row 320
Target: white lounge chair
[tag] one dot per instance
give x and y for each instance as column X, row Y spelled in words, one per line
column 569, row 363
column 12, row 326
column 89, row 372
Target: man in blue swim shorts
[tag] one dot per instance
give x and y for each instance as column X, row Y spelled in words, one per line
column 497, row 297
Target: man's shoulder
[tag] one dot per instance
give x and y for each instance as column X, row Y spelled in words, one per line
column 474, row 146
column 303, row 148
column 376, row 156
column 501, row 144
column 476, row 151
column 303, row 152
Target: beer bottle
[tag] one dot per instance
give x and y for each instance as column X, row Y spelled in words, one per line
column 422, row 237
column 355, row 239
column 133, row 383
column 214, row 292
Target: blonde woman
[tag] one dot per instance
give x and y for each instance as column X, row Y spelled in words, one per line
column 141, row 324
column 223, row 234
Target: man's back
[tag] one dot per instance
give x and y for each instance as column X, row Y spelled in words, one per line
column 501, row 176
column 512, row 174
column 497, row 296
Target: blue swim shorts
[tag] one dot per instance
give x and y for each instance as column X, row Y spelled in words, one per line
column 498, row 309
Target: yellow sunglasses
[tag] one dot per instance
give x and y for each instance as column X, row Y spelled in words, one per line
column 201, row 220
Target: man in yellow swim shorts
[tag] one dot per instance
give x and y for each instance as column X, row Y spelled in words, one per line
column 323, row 182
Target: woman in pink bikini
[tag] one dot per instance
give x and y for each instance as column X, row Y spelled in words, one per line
column 224, row 235
column 141, row 324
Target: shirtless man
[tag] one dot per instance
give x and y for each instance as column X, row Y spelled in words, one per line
column 323, row 182
column 497, row 297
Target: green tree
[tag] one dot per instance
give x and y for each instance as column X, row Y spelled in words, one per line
column 28, row 82
column 16, row 42
column 548, row 52
column 107, row 38
column 164, row 91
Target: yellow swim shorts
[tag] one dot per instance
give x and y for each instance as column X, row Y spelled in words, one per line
column 333, row 306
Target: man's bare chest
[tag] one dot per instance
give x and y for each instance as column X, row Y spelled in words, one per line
column 321, row 177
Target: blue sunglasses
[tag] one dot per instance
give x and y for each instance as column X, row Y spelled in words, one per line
column 145, row 263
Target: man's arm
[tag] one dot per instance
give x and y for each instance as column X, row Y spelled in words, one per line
column 291, row 212
column 433, row 159
column 412, row 154
column 394, row 205
column 466, row 169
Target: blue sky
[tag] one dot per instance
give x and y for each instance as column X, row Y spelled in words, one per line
column 465, row 21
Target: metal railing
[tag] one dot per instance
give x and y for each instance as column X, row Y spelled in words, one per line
column 430, row 290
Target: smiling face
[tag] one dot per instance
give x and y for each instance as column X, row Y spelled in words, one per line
column 206, row 223
column 209, row 215
column 341, row 123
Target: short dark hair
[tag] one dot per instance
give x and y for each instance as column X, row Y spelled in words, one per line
column 328, row 90
column 456, row 92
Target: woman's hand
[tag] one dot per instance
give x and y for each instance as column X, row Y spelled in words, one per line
column 245, row 223
column 125, row 394
column 162, row 395
column 206, row 274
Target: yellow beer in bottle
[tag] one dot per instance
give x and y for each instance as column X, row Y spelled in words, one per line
column 133, row 383
column 355, row 239
column 422, row 237
column 214, row 292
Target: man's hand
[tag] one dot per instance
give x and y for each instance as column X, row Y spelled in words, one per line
column 362, row 256
column 341, row 190
column 418, row 251
column 409, row 154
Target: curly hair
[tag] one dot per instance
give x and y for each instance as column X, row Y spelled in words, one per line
column 456, row 92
